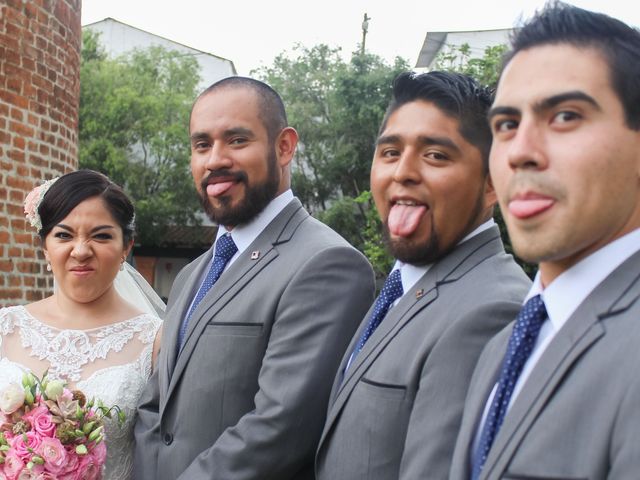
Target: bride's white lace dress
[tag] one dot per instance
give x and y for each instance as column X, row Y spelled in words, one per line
column 111, row 363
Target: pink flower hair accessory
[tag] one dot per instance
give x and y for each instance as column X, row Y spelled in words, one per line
column 33, row 201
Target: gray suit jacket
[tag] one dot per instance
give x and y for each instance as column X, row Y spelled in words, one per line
column 578, row 414
column 247, row 396
column 397, row 411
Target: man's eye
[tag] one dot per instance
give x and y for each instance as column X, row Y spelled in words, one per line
column 238, row 141
column 390, row 152
column 439, row 156
column 503, row 125
column 201, row 145
column 566, row 116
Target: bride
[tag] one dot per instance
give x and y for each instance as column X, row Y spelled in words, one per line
column 85, row 333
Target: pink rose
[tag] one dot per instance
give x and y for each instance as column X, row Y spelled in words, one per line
column 88, row 470
column 22, row 443
column 40, row 420
column 99, row 453
column 13, row 465
column 35, row 473
column 54, row 455
column 72, row 464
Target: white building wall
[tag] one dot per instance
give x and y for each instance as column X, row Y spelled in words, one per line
column 118, row 38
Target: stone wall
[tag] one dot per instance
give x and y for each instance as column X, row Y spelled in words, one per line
column 39, row 96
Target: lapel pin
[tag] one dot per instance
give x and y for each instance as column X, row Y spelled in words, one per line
column 255, row 254
column 420, row 293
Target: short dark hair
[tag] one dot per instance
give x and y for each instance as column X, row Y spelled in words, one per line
column 270, row 105
column 619, row 44
column 74, row 188
column 457, row 95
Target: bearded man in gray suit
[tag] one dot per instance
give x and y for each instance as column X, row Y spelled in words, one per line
column 556, row 395
column 254, row 328
column 397, row 400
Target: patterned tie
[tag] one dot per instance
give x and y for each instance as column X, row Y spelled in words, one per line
column 523, row 337
column 225, row 249
column 391, row 291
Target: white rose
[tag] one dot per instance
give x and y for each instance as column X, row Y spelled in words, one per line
column 11, row 398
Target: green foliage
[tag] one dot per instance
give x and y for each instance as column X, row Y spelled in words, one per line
column 337, row 108
column 484, row 69
column 134, row 115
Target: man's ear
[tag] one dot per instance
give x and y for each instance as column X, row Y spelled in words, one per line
column 286, row 146
column 490, row 196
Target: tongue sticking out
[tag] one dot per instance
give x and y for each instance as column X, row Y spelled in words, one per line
column 525, row 208
column 217, row 189
column 404, row 219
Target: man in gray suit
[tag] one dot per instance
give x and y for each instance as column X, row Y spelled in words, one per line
column 556, row 395
column 247, row 360
column 397, row 400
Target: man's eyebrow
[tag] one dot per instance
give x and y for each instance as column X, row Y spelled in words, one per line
column 510, row 111
column 423, row 140
column 231, row 132
column 197, row 136
column 440, row 141
column 387, row 139
column 555, row 100
column 546, row 104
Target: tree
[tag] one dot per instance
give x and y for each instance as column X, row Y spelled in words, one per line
column 134, row 116
column 337, row 107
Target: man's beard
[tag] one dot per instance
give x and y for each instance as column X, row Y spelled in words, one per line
column 431, row 250
column 256, row 197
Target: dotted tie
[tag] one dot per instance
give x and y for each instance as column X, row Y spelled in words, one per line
column 225, row 249
column 391, row 291
column 523, row 337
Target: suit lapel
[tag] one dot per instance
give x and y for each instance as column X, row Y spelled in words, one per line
column 487, row 373
column 583, row 329
column 229, row 286
column 176, row 314
column 455, row 265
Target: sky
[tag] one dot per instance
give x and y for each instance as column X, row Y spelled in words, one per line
column 252, row 32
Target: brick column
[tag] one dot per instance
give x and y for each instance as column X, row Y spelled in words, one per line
column 39, row 96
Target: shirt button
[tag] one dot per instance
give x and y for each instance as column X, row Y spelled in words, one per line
column 168, row 439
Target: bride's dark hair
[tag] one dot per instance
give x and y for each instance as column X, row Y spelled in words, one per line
column 76, row 187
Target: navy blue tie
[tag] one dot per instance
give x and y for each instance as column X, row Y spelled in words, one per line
column 391, row 291
column 225, row 249
column 523, row 338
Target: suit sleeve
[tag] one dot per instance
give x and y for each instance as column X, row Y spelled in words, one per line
column 317, row 314
column 444, row 382
column 147, row 430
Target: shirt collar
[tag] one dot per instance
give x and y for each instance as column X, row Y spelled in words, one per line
column 410, row 274
column 244, row 235
column 565, row 294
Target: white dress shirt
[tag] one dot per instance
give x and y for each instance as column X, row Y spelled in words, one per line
column 410, row 274
column 561, row 298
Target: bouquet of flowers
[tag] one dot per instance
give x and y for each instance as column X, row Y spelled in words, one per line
column 48, row 432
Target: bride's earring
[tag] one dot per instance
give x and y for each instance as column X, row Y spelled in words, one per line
column 48, row 267
column 122, row 266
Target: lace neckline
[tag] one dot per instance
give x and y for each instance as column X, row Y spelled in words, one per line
column 20, row 309
column 68, row 351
